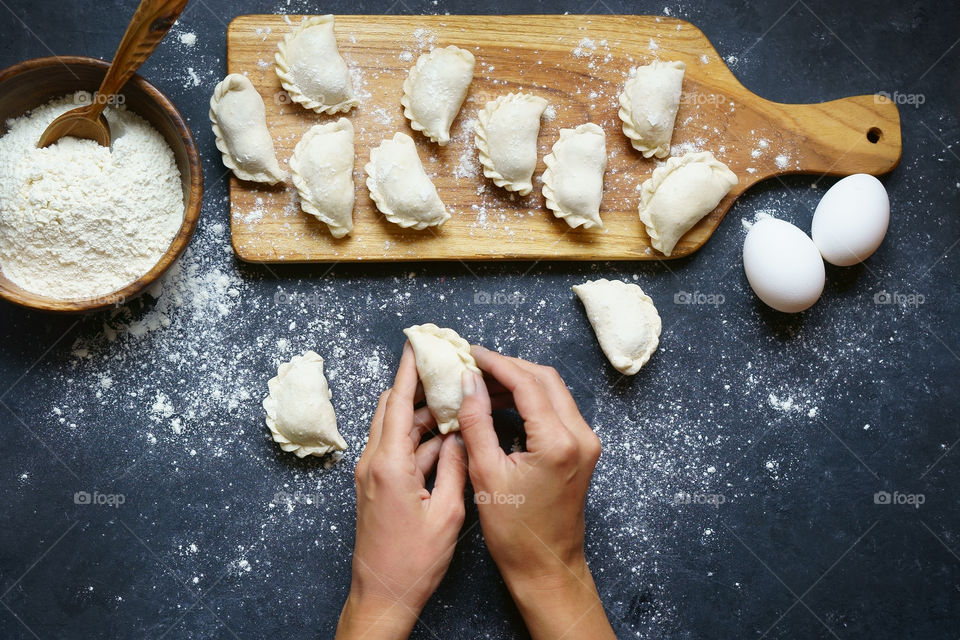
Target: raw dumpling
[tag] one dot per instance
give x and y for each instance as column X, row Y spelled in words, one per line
column 299, row 412
column 311, row 70
column 400, row 187
column 239, row 122
column 322, row 169
column 648, row 106
column 679, row 194
column 573, row 180
column 442, row 357
column 434, row 91
column 506, row 137
column 625, row 321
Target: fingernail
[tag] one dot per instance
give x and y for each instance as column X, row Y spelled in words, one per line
column 469, row 382
column 459, row 439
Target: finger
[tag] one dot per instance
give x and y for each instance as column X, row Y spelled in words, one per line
column 476, row 425
column 528, row 392
column 376, row 425
column 529, row 396
column 398, row 415
column 451, row 477
column 427, row 455
column 423, row 421
column 559, row 394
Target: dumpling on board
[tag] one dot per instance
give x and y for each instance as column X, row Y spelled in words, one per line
column 239, row 122
column 299, row 412
column 401, row 188
column 322, row 170
column 649, row 104
column 506, row 139
column 442, row 357
column 573, row 180
column 311, row 69
column 681, row 192
column 435, row 89
column 625, row 321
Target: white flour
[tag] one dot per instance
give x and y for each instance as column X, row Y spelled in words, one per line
column 80, row 221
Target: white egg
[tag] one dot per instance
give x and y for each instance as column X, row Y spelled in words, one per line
column 783, row 266
column 851, row 220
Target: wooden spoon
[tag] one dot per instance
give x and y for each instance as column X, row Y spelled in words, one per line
column 147, row 28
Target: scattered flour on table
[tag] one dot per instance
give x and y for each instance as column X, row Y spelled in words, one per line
column 210, row 321
column 192, row 78
column 78, row 220
column 757, row 217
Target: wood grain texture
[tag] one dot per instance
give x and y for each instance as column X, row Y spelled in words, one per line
column 579, row 64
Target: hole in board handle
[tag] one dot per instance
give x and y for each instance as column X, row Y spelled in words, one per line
column 874, row 134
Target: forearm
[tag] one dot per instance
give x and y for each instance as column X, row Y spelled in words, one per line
column 565, row 604
column 374, row 619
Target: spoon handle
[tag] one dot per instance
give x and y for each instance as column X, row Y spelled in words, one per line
column 147, row 28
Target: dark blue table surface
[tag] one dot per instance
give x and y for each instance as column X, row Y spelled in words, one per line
column 781, row 429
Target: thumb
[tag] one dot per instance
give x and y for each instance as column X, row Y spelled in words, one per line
column 476, row 425
column 451, row 475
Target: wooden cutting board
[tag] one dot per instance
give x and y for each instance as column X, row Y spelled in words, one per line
column 578, row 63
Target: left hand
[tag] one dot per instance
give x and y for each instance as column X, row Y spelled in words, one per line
column 405, row 534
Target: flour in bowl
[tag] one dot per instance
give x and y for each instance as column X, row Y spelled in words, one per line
column 78, row 220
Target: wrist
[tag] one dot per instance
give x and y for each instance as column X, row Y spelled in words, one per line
column 558, row 581
column 564, row 603
column 375, row 617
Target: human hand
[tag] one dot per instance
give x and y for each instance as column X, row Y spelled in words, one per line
column 405, row 534
column 531, row 503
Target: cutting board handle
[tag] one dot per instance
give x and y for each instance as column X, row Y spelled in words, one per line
column 860, row 134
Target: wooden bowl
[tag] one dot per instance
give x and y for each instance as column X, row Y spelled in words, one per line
column 33, row 83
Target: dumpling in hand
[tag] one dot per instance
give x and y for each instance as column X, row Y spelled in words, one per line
column 625, row 321
column 435, row 89
column 648, row 106
column 400, row 187
column 299, row 412
column 442, row 357
column 322, row 169
column 679, row 194
column 239, row 122
column 311, row 70
column 573, row 180
column 506, row 138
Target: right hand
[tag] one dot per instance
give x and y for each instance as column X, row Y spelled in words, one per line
column 531, row 503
